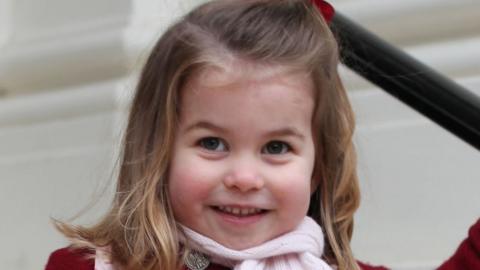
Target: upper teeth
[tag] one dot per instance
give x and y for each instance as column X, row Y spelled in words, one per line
column 239, row 211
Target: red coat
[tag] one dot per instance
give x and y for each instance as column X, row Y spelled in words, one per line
column 467, row 257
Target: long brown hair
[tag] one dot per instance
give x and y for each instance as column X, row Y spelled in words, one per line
column 140, row 228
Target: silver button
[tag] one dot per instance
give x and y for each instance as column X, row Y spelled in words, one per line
column 196, row 261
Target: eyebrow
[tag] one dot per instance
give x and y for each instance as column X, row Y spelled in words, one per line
column 287, row 131
column 205, row 125
column 283, row 132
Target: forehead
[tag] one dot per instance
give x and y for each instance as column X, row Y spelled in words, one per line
column 230, row 74
column 265, row 95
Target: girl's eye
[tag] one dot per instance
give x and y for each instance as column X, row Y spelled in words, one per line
column 276, row 148
column 213, row 144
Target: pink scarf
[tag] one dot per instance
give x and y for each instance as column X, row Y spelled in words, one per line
column 301, row 248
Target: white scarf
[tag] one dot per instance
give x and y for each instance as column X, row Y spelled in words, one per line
column 301, row 248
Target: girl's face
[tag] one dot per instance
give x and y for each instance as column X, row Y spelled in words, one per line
column 243, row 154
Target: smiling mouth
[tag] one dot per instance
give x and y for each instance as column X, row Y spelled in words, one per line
column 239, row 211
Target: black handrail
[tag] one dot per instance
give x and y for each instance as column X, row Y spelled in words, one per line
column 417, row 85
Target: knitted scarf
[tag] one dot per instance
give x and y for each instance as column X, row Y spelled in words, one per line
column 301, row 248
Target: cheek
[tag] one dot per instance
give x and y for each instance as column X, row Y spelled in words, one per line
column 292, row 187
column 299, row 197
column 183, row 180
column 190, row 181
column 180, row 182
column 185, row 194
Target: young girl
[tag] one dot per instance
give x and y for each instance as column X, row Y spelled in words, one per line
column 238, row 152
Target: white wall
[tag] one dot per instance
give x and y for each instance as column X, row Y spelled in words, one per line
column 420, row 184
column 65, row 76
column 56, row 156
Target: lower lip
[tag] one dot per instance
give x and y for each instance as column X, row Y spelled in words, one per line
column 240, row 220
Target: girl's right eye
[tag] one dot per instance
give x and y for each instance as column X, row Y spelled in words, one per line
column 213, row 144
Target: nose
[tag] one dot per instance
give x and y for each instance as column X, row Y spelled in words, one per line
column 244, row 176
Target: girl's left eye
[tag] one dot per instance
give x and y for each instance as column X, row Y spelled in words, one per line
column 276, row 148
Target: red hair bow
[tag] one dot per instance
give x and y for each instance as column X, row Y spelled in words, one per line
column 325, row 8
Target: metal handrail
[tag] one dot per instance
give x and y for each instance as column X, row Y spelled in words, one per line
column 417, row 85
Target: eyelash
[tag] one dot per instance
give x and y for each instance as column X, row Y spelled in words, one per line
column 203, row 143
column 285, row 147
column 217, row 142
